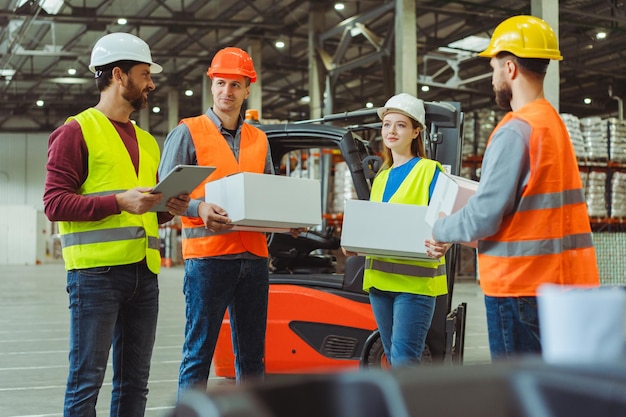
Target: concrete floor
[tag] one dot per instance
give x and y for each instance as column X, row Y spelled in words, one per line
column 34, row 340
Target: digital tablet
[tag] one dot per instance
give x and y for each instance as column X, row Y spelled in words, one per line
column 182, row 179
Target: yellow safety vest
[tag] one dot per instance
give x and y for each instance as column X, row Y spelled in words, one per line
column 402, row 275
column 119, row 239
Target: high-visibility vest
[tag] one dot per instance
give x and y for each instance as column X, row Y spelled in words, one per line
column 213, row 150
column 403, row 275
column 119, row 239
column 547, row 239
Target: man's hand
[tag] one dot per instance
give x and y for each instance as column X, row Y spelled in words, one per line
column 214, row 217
column 176, row 206
column 137, row 200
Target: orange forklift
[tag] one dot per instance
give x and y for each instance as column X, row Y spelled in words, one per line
column 320, row 321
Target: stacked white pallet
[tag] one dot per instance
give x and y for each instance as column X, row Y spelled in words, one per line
column 469, row 135
column 617, row 139
column 572, row 123
column 595, row 137
column 343, row 187
column 618, row 195
column 487, row 121
column 595, row 196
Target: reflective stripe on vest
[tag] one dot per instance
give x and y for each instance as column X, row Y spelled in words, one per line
column 198, row 232
column 551, row 200
column 536, row 247
column 405, row 269
column 108, row 235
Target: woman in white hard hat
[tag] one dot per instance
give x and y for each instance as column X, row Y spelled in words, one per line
column 402, row 292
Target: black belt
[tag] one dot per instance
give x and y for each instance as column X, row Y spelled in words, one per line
column 405, row 269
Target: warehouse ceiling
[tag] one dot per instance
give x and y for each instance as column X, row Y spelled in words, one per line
column 40, row 41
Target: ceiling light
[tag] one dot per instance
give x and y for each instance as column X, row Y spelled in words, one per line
column 369, row 104
column 39, row 103
column 339, row 6
column 425, row 88
column 156, row 109
column 305, row 99
column 355, row 31
column 70, row 80
column 587, row 100
column 601, row 35
column 280, row 44
column 8, row 73
column 188, row 93
column 122, row 21
column 50, row 6
column 71, row 71
column 471, row 43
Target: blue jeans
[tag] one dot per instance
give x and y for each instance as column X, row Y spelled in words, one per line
column 111, row 306
column 403, row 322
column 210, row 286
column 513, row 326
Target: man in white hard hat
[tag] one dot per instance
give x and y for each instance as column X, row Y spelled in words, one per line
column 100, row 171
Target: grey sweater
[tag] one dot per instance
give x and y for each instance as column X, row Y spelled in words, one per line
column 505, row 172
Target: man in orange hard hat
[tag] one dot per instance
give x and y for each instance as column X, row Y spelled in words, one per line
column 529, row 213
column 223, row 268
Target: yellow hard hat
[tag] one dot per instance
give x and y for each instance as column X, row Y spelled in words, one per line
column 524, row 37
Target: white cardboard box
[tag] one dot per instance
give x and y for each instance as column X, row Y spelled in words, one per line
column 385, row 229
column 450, row 194
column 264, row 202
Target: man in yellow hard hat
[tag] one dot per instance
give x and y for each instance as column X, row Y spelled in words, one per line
column 223, row 268
column 529, row 213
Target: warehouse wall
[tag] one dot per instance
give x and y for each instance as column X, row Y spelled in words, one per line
column 24, row 230
column 23, row 168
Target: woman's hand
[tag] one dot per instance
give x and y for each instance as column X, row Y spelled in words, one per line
column 436, row 249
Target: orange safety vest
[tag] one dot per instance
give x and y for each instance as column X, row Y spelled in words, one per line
column 547, row 239
column 213, row 150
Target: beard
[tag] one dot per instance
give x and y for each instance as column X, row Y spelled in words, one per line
column 504, row 95
column 135, row 96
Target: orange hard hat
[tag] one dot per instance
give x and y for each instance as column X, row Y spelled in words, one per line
column 232, row 61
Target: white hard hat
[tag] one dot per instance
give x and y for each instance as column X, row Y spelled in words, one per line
column 121, row 46
column 405, row 104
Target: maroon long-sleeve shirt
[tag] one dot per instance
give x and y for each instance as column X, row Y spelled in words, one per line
column 67, row 170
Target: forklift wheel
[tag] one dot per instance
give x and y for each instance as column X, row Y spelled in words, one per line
column 374, row 356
